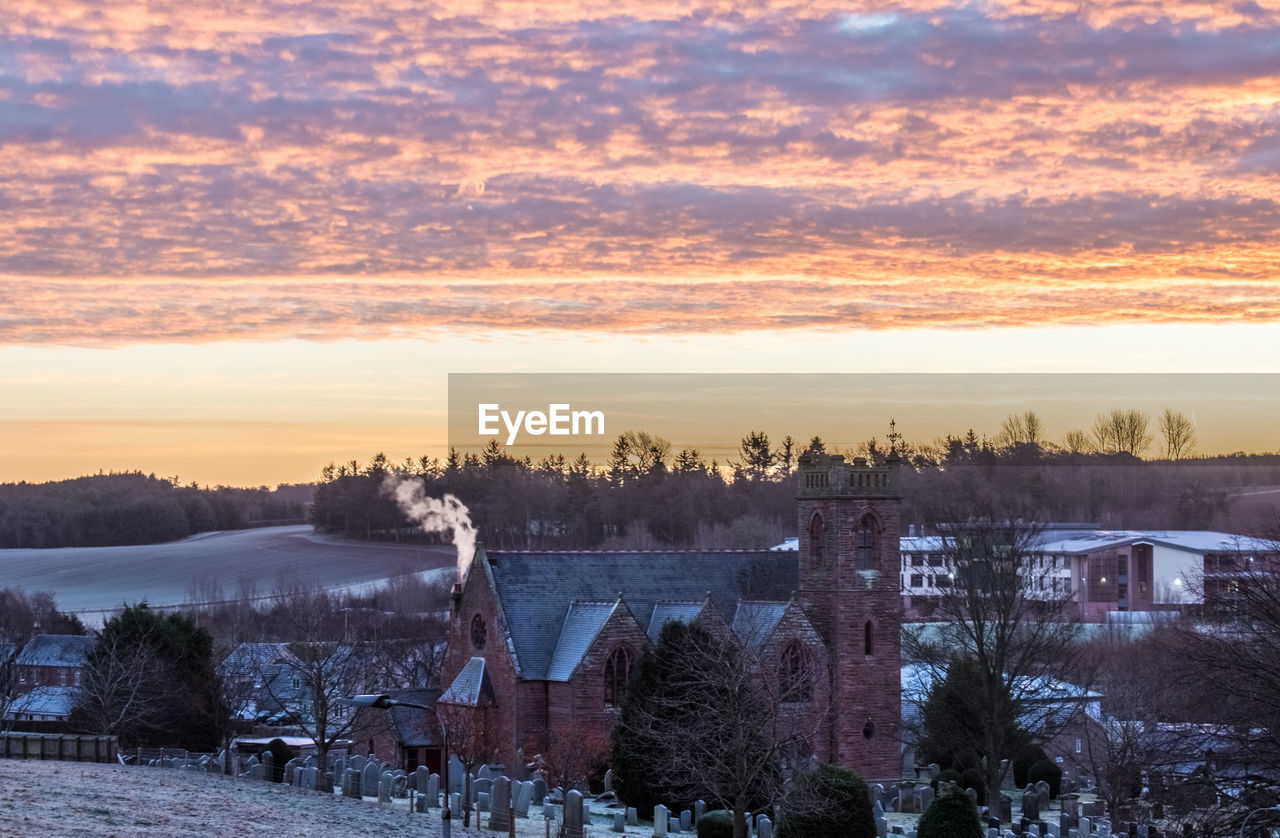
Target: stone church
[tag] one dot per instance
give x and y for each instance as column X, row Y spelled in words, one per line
column 545, row 641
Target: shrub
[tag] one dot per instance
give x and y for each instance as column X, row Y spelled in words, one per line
column 972, row 779
column 716, row 824
column 947, row 775
column 280, row 754
column 1049, row 772
column 828, row 802
column 1026, row 757
column 950, row 816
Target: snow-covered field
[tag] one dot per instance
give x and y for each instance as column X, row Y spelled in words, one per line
column 91, row 580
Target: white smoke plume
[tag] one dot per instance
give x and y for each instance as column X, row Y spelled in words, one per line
column 436, row 515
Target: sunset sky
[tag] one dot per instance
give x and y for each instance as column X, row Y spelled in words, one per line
column 240, row 239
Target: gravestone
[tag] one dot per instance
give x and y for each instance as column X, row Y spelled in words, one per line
column 906, row 797
column 257, row 772
column 548, row 810
column 457, row 775
column 619, row 822
column 351, row 783
column 479, row 786
column 924, row 796
column 369, row 777
column 357, row 762
column 661, row 817
column 882, row 827
column 482, row 801
column 1031, row 806
column 522, row 796
column 764, row 827
column 932, row 771
column 1065, row 822
column 499, row 802
column 1054, row 829
column 686, row 820
column 633, row 817
column 608, row 780
column 1006, row 808
column 699, row 809
column 993, row 833
column 422, row 780
column 539, row 790
column 310, row 777
column 421, row 804
column 385, row 781
column 1042, row 788
column 573, row 814
column 972, row 794
column 1086, row 826
column 485, row 773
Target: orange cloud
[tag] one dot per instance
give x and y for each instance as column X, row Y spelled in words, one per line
column 321, row 170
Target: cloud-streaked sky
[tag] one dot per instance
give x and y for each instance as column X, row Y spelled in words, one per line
column 253, row 174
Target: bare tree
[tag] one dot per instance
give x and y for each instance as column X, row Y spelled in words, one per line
column 572, row 755
column 1077, row 442
column 1122, row 431
column 1179, row 433
column 321, row 672
column 1022, row 429
column 1005, row 615
column 121, row 687
column 474, row 733
column 705, row 718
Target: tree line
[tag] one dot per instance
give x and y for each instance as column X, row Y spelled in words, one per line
column 134, row 508
column 646, row 495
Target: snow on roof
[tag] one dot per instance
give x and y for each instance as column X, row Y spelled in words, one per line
column 679, row 611
column 1081, row 541
column 55, row 650
column 789, row 544
column 754, row 622
column 470, row 686
column 46, row 701
column 581, row 626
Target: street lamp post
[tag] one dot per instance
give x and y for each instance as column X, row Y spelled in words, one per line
column 382, row 702
column 1254, row 812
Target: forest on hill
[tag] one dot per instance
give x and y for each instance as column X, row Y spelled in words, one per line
column 647, row 496
column 133, row 508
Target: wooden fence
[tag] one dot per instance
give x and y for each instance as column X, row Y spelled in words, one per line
column 58, row 746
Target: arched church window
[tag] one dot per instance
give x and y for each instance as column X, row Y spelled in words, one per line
column 479, row 632
column 617, row 671
column 796, row 674
column 817, row 539
column 865, row 545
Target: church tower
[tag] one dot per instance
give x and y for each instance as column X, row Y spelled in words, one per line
column 849, row 587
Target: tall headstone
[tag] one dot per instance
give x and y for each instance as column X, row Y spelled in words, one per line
column 882, row 827
column 699, row 809
column 539, row 790
column 1031, row 806
column 619, row 822
column 523, row 793
column 924, row 796
column 764, row 827
column 633, row 817
column 385, row 781
column 686, row 820
column 573, row 814
column 357, row 762
column 457, row 775
column 351, row 783
column 485, row 773
column 608, row 780
column 482, row 801
column 1006, row 808
column 499, row 803
column 369, row 778
column 661, row 817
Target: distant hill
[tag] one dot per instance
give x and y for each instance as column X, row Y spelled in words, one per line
column 106, row 510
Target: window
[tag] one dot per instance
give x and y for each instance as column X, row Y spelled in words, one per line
column 865, row 546
column 62, row 677
column 867, row 648
column 797, row 679
column 917, row 560
column 617, row 671
column 817, row 539
column 917, row 580
column 478, row 632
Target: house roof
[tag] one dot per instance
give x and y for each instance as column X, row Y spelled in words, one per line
column 55, row 650
column 253, row 658
column 1083, row 541
column 413, row 726
column 581, row 626
column 48, row 701
column 755, row 621
column 536, row 589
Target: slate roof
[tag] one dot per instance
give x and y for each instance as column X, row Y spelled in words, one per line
column 536, row 589
column 414, row 727
column 581, row 626
column 471, row 684
column 55, row 701
column 55, row 650
column 755, row 621
column 665, row 612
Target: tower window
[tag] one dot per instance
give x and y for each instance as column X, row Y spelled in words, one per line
column 797, row 677
column 617, row 671
column 865, row 547
column 866, row 639
column 817, row 539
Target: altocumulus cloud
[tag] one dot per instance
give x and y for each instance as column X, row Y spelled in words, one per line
column 274, row 170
